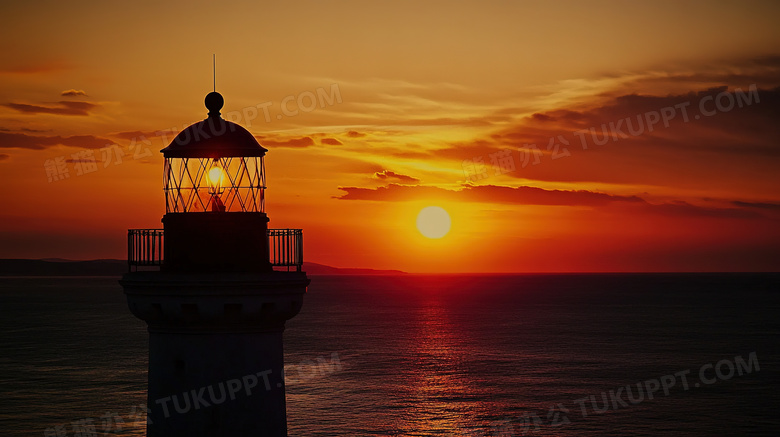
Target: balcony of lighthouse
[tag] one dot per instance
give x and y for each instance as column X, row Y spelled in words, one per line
column 207, row 288
column 146, row 250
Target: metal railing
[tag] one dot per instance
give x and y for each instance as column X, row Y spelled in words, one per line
column 285, row 248
column 145, row 248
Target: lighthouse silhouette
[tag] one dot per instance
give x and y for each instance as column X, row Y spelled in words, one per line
column 215, row 287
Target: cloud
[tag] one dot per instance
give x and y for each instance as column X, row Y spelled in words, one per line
column 758, row 205
column 34, row 142
column 293, row 142
column 331, row 141
column 763, row 71
column 387, row 174
column 611, row 141
column 3, row 156
column 692, row 118
column 355, row 134
column 523, row 195
column 25, row 129
column 139, row 135
column 493, row 119
column 57, row 108
column 73, row 93
column 526, row 195
column 80, row 160
column 408, row 154
column 679, row 208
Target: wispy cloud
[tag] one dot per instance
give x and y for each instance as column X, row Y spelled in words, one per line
column 758, row 205
column 391, row 175
column 139, row 135
column 612, row 142
column 297, row 142
column 35, row 142
column 80, row 160
column 527, row 195
column 73, row 93
column 523, row 195
column 331, row 141
column 56, row 108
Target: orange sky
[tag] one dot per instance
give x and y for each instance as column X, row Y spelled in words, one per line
column 410, row 97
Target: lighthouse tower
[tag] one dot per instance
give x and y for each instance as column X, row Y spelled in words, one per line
column 215, row 287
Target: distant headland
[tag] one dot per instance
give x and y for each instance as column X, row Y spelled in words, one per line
column 115, row 267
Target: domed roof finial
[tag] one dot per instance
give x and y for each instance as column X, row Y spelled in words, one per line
column 214, row 103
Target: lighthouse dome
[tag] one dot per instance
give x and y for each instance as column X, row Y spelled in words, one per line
column 214, row 137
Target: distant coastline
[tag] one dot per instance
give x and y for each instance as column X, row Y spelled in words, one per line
column 115, row 267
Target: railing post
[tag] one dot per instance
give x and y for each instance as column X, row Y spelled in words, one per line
column 287, row 247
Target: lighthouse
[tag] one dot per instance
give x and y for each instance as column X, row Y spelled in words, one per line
column 215, row 287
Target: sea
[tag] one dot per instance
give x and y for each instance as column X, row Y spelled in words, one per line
column 433, row 355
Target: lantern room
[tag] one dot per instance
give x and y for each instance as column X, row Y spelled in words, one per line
column 215, row 220
column 214, row 166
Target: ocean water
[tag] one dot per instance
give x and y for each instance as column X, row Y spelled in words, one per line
column 420, row 355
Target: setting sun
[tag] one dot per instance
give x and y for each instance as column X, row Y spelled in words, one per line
column 433, row 222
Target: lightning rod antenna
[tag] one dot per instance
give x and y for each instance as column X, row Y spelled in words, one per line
column 214, row 64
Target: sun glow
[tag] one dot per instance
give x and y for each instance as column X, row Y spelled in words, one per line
column 433, row 222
